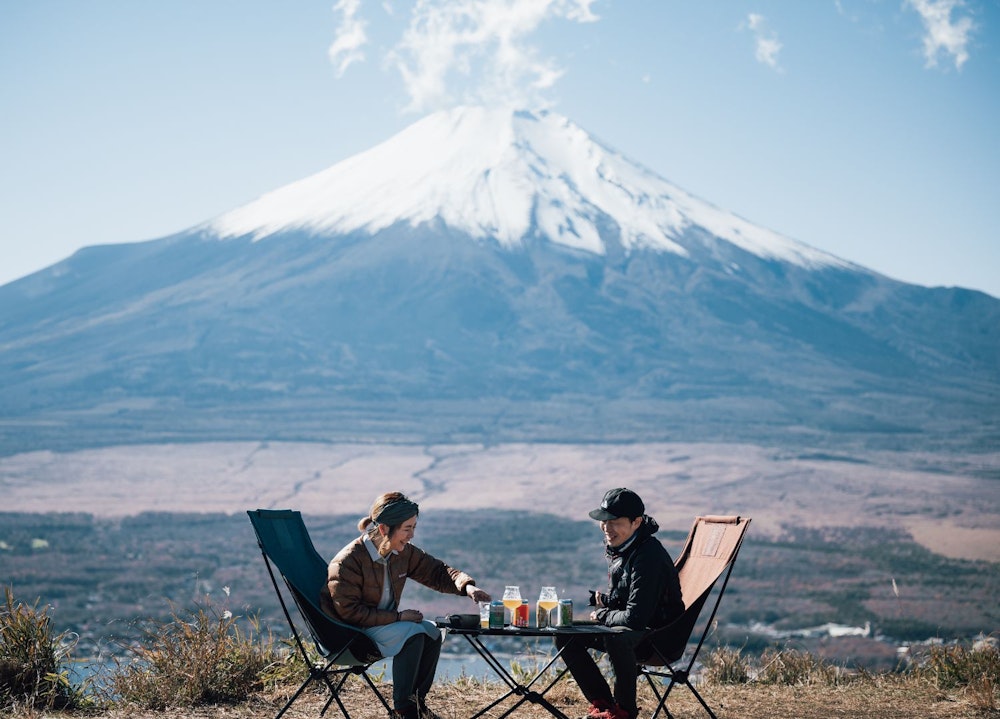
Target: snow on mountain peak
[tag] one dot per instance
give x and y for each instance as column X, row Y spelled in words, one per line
column 503, row 174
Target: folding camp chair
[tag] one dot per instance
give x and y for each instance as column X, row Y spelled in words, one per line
column 344, row 649
column 708, row 555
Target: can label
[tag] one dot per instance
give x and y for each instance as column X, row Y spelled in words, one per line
column 541, row 616
column 565, row 613
column 520, row 618
column 496, row 614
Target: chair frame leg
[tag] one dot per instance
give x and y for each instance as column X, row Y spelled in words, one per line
column 677, row 677
column 682, row 676
column 317, row 672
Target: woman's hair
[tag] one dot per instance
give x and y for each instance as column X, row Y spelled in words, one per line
column 397, row 508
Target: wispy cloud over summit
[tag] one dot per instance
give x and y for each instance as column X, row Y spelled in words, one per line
column 465, row 51
column 350, row 36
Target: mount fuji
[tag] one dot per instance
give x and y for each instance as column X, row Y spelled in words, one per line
column 504, row 176
column 489, row 275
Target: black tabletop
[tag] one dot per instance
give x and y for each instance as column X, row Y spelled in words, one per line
column 577, row 629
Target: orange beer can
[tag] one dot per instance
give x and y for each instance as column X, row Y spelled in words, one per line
column 520, row 618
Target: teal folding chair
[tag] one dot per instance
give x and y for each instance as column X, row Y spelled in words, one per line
column 345, row 650
column 709, row 555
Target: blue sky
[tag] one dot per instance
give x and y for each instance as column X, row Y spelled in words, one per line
column 866, row 128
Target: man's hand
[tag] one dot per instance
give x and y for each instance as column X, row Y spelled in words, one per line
column 411, row 615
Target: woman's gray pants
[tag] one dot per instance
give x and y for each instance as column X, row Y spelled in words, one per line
column 413, row 672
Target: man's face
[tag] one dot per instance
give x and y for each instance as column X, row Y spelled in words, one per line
column 619, row 530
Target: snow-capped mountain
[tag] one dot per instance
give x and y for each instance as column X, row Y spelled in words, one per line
column 489, row 275
column 505, row 175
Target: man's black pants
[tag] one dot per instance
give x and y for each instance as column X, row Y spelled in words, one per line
column 620, row 649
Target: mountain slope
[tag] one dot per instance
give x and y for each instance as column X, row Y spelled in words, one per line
column 505, row 176
column 488, row 276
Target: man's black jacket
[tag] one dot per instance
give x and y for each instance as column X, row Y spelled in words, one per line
column 643, row 588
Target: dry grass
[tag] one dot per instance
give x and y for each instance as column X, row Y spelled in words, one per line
column 200, row 657
column 203, row 665
column 32, row 656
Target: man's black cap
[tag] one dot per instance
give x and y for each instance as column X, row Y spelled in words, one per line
column 619, row 502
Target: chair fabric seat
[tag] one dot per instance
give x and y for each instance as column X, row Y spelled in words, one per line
column 709, row 554
column 288, row 550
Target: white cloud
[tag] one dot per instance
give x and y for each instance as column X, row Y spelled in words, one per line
column 469, row 51
column 350, row 36
column 941, row 33
column 766, row 43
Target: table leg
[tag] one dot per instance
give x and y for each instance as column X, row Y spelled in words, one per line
column 522, row 691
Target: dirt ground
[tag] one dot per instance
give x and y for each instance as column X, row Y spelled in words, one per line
column 877, row 698
column 948, row 503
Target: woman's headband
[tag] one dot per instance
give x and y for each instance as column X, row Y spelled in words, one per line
column 396, row 512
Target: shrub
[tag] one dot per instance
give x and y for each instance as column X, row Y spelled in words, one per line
column 204, row 658
column 957, row 665
column 32, row 671
column 726, row 665
column 791, row 667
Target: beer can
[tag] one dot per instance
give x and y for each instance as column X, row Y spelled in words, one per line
column 520, row 618
column 541, row 616
column 565, row 613
column 496, row 614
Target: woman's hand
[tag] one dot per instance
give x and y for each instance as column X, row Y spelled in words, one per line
column 411, row 615
column 477, row 594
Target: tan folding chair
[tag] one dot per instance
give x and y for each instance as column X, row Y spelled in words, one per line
column 708, row 555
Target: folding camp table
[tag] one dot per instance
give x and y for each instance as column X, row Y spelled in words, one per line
column 478, row 639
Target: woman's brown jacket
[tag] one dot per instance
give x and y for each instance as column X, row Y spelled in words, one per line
column 355, row 582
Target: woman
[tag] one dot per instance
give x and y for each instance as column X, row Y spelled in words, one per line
column 366, row 581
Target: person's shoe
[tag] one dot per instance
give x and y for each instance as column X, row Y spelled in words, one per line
column 408, row 713
column 426, row 713
column 601, row 710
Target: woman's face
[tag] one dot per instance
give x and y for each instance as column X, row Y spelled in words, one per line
column 402, row 535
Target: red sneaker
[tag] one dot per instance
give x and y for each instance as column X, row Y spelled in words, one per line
column 601, row 710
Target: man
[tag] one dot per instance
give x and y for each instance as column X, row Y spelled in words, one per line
column 643, row 593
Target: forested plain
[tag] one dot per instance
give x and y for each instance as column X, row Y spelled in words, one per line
column 104, row 579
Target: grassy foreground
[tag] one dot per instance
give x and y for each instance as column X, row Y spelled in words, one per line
column 203, row 664
column 882, row 697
